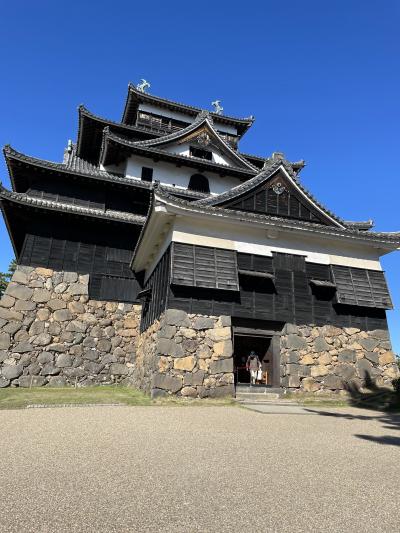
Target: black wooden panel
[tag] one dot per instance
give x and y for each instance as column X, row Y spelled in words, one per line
column 85, row 258
column 357, row 286
column 202, row 266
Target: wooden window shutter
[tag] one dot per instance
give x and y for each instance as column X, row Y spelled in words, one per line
column 361, row 287
column 201, row 266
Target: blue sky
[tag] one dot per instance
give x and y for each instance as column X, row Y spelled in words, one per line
column 321, row 78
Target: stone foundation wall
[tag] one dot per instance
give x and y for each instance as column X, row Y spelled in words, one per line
column 325, row 358
column 188, row 355
column 52, row 334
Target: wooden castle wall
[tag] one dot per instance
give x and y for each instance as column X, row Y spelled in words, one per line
column 288, row 298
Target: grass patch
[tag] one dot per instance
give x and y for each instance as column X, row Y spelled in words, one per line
column 20, row 398
column 324, row 400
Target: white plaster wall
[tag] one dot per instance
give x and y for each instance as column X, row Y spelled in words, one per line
column 256, row 241
column 184, row 149
column 184, row 118
column 170, row 174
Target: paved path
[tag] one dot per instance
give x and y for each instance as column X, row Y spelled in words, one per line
column 195, row 469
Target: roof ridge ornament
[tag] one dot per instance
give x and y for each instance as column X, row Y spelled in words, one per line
column 217, row 107
column 143, row 85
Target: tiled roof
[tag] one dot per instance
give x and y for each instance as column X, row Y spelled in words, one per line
column 163, row 102
column 280, row 222
column 54, row 205
column 189, row 161
column 202, row 119
column 77, row 166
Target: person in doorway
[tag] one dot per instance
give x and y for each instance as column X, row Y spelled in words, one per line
column 253, row 365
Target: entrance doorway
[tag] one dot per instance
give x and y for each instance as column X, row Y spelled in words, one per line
column 263, row 346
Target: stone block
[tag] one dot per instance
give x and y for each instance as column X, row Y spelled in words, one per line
column 45, row 357
column 333, row 382
column 292, row 357
column 70, row 277
column 319, row 370
column 23, row 347
column 36, row 328
column 167, row 332
column 189, row 345
column 381, row 334
column 185, row 363
column 57, row 381
column 104, row 345
column 291, row 329
column 188, row 333
column 119, row 370
column 369, row 344
column 293, row 381
column 63, row 360
column 320, row 345
column 189, row 392
column 76, row 307
column 307, row 360
column 8, row 314
column 55, row 304
column 176, row 317
column 41, row 295
column 345, row 371
column 295, row 342
column 386, row 358
column 158, row 393
column 11, row 371
column 293, row 369
column 221, row 366
column 364, row 368
column 351, row 331
column 203, row 352
column 7, row 301
column 372, row 356
column 222, row 349
column 24, row 305
column 50, row 370
column 78, row 289
column 4, row 382
column 45, row 272
column 57, row 347
column 324, row 359
column 43, row 339
column 32, row 381
column 62, row 315
column 203, row 322
column 77, row 326
column 43, row 314
column 21, row 292
column 5, row 341
column 219, row 334
column 310, row 385
column 225, row 391
column 169, row 347
column 167, row 382
column 347, row 356
column 224, row 321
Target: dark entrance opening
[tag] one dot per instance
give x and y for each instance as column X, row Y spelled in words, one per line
column 263, row 346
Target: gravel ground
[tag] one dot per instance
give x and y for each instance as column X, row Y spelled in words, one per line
column 198, row 469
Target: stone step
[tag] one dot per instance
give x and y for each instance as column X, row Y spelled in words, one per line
column 256, row 397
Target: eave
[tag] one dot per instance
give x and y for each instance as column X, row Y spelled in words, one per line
column 76, row 169
column 52, row 205
column 135, row 97
column 90, row 134
column 116, row 149
column 383, row 240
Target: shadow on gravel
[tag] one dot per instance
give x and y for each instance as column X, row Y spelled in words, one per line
column 372, row 397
